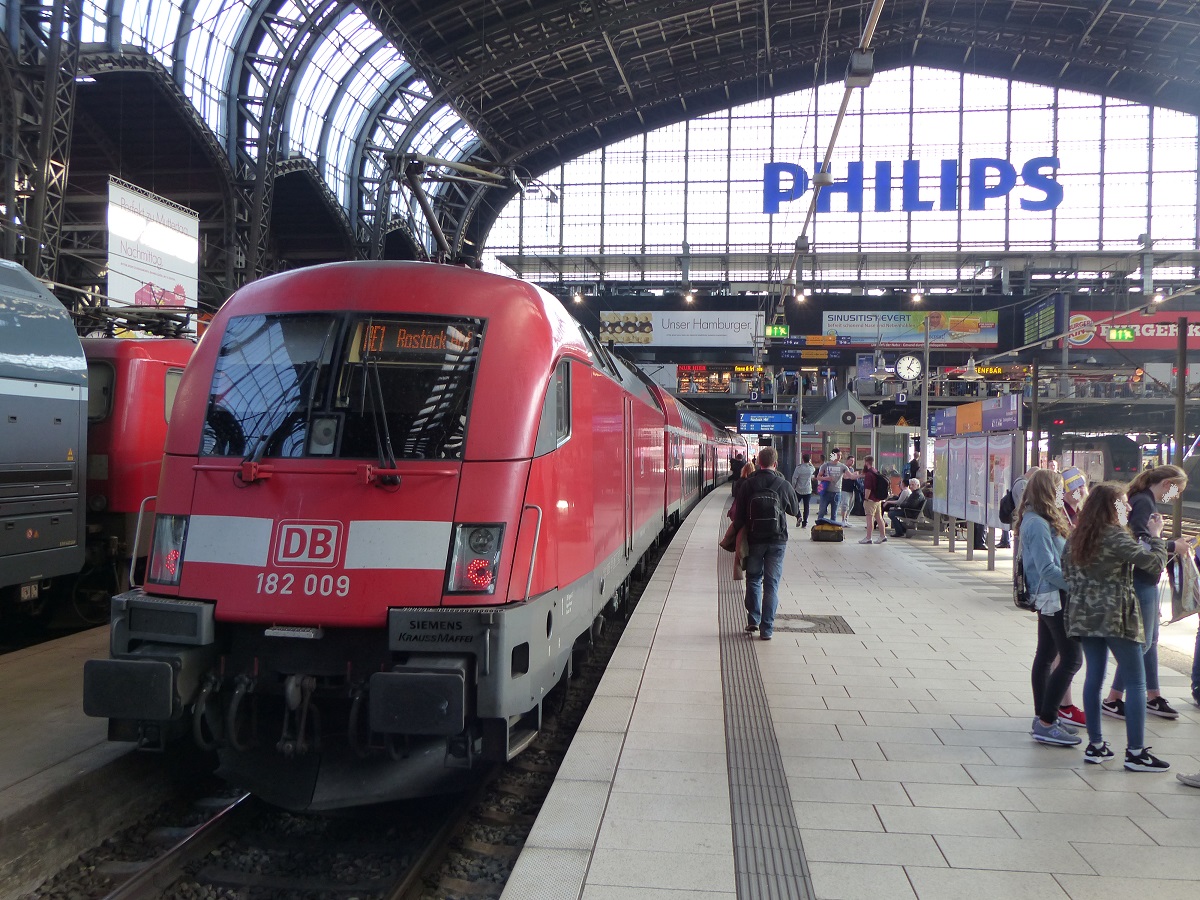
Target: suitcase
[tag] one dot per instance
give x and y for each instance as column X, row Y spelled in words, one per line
column 827, row 531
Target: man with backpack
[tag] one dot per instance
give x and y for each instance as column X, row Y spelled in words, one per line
column 762, row 506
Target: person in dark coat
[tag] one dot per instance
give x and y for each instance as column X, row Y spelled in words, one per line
column 735, row 470
column 764, row 561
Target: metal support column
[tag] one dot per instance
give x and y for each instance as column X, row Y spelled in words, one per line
column 1180, row 417
column 47, row 62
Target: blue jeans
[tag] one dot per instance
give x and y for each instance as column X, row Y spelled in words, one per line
column 1147, row 595
column 764, row 569
column 829, row 501
column 1196, row 671
column 1129, row 656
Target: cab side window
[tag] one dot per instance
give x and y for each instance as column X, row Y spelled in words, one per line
column 101, row 378
column 554, row 429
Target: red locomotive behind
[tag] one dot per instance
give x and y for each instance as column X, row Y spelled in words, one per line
column 131, row 388
column 395, row 498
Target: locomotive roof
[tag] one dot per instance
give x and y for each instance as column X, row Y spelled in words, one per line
column 37, row 338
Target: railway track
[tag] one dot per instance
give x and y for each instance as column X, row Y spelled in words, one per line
column 234, row 846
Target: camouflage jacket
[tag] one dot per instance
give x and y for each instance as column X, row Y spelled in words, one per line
column 1101, row 599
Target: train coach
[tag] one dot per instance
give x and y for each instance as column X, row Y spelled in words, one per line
column 43, row 439
column 396, row 500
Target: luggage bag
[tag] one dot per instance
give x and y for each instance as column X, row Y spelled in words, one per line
column 827, row 531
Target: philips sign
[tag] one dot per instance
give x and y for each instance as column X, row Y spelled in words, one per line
column 987, row 178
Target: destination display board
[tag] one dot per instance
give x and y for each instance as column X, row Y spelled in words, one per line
column 767, row 422
column 1044, row 319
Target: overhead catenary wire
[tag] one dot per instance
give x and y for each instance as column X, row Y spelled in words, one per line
column 863, row 44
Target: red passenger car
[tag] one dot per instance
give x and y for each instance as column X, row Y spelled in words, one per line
column 395, row 497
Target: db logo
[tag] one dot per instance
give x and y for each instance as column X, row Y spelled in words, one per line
column 300, row 543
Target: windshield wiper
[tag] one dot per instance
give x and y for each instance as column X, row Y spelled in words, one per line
column 383, row 434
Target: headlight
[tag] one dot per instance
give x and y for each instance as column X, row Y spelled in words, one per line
column 475, row 560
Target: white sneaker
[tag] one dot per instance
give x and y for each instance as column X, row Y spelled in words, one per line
column 881, row 540
column 866, row 540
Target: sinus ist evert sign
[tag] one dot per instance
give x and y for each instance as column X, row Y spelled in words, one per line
column 987, row 178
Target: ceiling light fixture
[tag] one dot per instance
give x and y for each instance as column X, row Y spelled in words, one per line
column 971, row 373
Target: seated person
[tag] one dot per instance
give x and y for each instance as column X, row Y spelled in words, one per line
column 909, row 486
column 906, row 508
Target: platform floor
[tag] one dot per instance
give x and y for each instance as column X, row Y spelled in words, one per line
column 890, row 762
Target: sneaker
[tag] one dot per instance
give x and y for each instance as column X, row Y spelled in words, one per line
column 1189, row 780
column 1145, row 762
column 1161, row 708
column 1113, row 708
column 750, row 629
column 1098, row 753
column 1053, row 734
column 866, row 540
column 882, row 540
column 765, row 636
column 1066, row 726
column 1072, row 714
column 1196, row 698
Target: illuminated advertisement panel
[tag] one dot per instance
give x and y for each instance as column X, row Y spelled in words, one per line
column 153, row 249
column 1131, row 331
column 947, row 328
column 670, row 328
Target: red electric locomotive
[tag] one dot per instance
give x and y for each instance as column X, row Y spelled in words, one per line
column 395, row 497
column 131, row 388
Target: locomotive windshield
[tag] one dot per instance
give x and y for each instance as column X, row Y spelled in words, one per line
column 343, row 386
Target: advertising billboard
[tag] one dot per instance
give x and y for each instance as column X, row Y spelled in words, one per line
column 153, row 249
column 672, row 328
column 1130, row 331
column 947, row 328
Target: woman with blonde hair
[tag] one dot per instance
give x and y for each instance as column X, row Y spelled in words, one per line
column 1041, row 528
column 1160, row 484
column 1105, row 613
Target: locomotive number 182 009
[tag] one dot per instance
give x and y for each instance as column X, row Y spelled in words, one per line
column 309, row 585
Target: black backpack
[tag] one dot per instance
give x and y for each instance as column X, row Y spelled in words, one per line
column 764, row 515
column 1007, row 507
column 879, row 486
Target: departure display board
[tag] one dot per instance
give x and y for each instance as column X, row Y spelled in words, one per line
column 771, row 422
column 1044, row 319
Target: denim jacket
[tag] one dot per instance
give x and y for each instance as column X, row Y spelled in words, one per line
column 1041, row 556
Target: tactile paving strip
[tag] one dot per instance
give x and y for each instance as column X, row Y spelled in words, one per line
column 767, row 853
